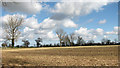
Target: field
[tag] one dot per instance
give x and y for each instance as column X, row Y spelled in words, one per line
column 62, row 56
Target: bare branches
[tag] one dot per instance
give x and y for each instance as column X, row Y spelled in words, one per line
column 61, row 35
column 12, row 27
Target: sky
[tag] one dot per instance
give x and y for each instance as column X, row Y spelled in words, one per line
column 90, row 20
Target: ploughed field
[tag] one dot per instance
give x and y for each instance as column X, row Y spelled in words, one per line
column 61, row 56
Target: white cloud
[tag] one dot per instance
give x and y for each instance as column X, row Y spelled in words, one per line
column 48, row 23
column 105, row 36
column 6, row 17
column 110, row 33
column 72, row 8
column 31, row 7
column 51, row 35
column 113, row 32
column 44, row 29
column 116, row 28
column 89, row 34
column 99, row 31
column 69, row 23
column 78, row 8
column 33, row 29
column 102, row 21
column 52, row 24
column 32, row 22
column 27, row 29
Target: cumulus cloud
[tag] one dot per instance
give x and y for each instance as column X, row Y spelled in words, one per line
column 102, row 21
column 32, row 22
column 51, row 23
column 89, row 34
column 105, row 36
column 48, row 23
column 71, row 9
column 51, row 35
column 45, row 29
column 31, row 7
column 27, row 29
column 69, row 23
column 114, row 32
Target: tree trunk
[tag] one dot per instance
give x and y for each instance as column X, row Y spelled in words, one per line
column 12, row 43
column 60, row 43
column 37, row 44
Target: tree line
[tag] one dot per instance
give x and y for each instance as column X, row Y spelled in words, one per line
column 12, row 32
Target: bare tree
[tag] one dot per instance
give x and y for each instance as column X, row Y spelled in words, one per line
column 38, row 40
column 66, row 40
column 12, row 27
column 61, row 34
column 72, row 38
column 26, row 43
column 80, row 41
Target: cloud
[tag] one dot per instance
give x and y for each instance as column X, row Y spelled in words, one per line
column 51, row 23
column 105, row 36
column 89, row 34
column 48, row 23
column 51, row 35
column 95, row 34
column 32, row 22
column 27, row 29
column 114, row 32
column 71, row 9
column 6, row 17
column 31, row 7
column 69, row 23
column 45, row 29
column 102, row 21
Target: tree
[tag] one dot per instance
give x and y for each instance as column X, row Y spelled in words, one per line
column 80, row 41
column 12, row 28
column 72, row 38
column 108, row 41
column 38, row 40
column 4, row 44
column 66, row 40
column 26, row 43
column 105, row 41
column 61, row 34
column 90, row 41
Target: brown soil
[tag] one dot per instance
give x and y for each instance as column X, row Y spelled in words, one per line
column 62, row 56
